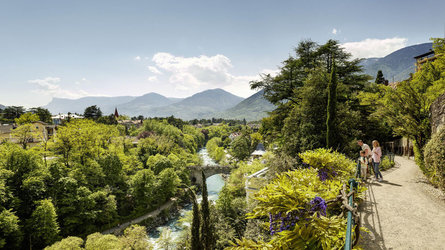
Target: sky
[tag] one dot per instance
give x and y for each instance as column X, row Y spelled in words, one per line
column 72, row 49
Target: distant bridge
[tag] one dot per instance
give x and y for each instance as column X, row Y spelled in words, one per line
column 209, row 170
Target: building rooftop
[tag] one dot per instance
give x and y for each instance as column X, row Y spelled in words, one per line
column 431, row 52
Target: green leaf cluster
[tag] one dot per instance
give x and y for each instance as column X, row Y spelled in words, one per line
column 328, row 159
column 435, row 159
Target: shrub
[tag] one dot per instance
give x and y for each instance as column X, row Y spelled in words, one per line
column 301, row 204
column 386, row 164
column 329, row 163
column 435, row 159
column 295, row 203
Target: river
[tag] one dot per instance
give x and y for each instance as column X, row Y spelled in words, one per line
column 214, row 185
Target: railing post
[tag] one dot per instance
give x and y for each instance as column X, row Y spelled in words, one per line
column 348, row 243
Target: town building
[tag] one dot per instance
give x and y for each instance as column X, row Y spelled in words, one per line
column 424, row 58
column 259, row 151
column 58, row 119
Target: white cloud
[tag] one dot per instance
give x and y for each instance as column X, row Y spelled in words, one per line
column 50, row 86
column 271, row 72
column 152, row 78
column 83, row 80
column 374, row 47
column 154, row 70
column 196, row 71
column 188, row 75
column 334, row 31
column 137, row 58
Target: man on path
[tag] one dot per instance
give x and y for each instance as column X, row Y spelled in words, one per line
column 365, row 148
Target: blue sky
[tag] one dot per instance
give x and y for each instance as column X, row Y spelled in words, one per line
column 78, row 48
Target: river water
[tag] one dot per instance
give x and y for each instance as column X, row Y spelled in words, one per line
column 214, row 185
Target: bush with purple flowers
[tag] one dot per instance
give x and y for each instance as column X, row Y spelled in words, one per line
column 330, row 164
column 296, row 203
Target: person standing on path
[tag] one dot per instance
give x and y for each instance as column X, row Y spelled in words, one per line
column 363, row 160
column 376, row 156
column 367, row 150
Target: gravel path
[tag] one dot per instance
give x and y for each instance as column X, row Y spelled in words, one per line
column 403, row 211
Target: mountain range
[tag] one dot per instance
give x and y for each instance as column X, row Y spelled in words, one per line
column 206, row 104
column 219, row 103
column 398, row 65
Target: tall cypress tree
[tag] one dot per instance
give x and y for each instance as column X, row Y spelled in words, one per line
column 331, row 108
column 196, row 223
column 206, row 229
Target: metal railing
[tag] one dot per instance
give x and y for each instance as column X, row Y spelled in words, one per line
column 353, row 185
column 350, row 221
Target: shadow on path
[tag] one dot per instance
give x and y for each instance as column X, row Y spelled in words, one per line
column 371, row 221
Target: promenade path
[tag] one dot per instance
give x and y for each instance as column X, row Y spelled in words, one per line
column 403, row 211
column 121, row 227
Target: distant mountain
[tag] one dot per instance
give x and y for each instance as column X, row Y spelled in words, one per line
column 142, row 104
column 106, row 104
column 216, row 99
column 253, row 108
column 175, row 99
column 398, row 65
column 2, row 107
column 201, row 105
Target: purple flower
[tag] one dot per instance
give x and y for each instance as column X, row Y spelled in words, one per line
column 318, row 204
column 323, row 174
column 280, row 222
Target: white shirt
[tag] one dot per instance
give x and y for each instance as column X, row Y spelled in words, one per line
column 364, row 147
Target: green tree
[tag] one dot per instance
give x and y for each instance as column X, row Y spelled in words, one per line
column 44, row 114
column 92, row 112
column 379, row 78
column 71, row 243
column 26, row 118
column 332, row 110
column 406, row 108
column 240, row 147
column 24, row 134
column 196, row 224
column 207, row 228
column 98, row 241
column 142, row 188
column 13, row 112
column 300, row 92
column 10, row 233
column 158, row 162
column 43, row 224
column 135, row 237
column 168, row 183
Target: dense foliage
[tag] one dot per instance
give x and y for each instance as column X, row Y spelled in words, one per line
column 89, row 177
column 301, row 92
column 301, row 205
column 435, row 159
column 134, row 237
column 406, row 108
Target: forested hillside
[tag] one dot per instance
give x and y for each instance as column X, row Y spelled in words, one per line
column 89, row 178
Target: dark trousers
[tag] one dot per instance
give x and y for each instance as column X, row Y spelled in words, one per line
column 376, row 170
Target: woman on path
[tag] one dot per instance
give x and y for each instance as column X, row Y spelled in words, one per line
column 376, row 155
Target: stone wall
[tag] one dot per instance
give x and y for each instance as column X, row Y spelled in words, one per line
column 438, row 114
